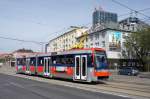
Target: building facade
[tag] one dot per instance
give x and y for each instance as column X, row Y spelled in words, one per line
column 65, row 41
column 132, row 24
column 100, row 16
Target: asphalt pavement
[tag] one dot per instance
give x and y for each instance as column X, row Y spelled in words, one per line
column 12, row 87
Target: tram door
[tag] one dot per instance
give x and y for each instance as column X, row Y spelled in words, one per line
column 81, row 67
column 47, row 66
column 28, row 65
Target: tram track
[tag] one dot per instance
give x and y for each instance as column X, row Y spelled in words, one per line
column 142, row 88
column 129, row 88
column 116, row 91
column 120, row 91
column 128, row 82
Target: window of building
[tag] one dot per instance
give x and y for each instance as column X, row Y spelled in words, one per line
column 97, row 44
column 91, row 37
column 86, row 46
column 103, row 43
column 86, row 39
column 96, row 36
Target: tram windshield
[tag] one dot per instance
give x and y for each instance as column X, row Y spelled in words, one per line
column 100, row 60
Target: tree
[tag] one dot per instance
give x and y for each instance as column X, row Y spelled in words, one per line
column 137, row 46
column 25, row 50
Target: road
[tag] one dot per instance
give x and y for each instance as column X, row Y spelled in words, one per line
column 12, row 87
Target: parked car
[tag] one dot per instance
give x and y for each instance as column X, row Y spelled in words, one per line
column 132, row 71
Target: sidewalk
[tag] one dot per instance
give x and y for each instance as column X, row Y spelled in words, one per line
column 145, row 75
column 141, row 79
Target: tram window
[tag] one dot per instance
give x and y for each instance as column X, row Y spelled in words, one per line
column 53, row 59
column 33, row 61
column 77, row 65
column 90, row 61
column 100, row 61
column 21, row 61
column 18, row 61
column 62, row 59
column 41, row 61
column 69, row 59
column 83, row 66
column 50, row 61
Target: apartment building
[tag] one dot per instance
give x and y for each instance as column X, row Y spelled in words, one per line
column 66, row 40
column 132, row 24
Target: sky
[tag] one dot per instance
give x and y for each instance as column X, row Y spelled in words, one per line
column 42, row 20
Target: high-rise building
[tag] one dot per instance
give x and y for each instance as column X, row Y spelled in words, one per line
column 102, row 17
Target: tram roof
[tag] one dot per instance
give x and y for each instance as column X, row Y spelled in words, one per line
column 72, row 51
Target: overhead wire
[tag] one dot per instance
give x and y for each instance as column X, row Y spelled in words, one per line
column 21, row 40
column 138, row 11
column 123, row 5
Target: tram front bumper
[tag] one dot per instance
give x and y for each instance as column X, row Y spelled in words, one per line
column 102, row 74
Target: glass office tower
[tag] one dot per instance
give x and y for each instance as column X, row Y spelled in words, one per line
column 100, row 16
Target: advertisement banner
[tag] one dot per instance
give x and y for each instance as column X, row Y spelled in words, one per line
column 115, row 41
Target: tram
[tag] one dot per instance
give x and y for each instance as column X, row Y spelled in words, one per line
column 85, row 65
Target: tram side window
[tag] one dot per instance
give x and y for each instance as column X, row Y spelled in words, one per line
column 21, row 61
column 50, row 61
column 62, row 59
column 69, row 59
column 33, row 61
column 18, row 61
column 90, row 61
column 54, row 60
column 77, row 65
column 40, row 61
column 83, row 66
